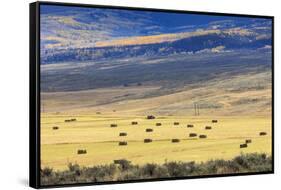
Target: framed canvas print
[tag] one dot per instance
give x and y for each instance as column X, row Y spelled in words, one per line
column 120, row 94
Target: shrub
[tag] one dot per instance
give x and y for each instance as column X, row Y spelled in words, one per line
column 123, row 170
column 46, row 172
column 149, row 170
column 123, row 163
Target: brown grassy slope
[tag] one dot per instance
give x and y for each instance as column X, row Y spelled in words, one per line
column 248, row 94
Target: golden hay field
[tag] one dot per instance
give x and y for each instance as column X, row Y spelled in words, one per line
column 94, row 134
column 242, row 109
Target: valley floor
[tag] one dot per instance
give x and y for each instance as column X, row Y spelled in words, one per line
column 93, row 133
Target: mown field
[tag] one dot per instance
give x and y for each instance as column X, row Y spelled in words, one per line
column 93, row 133
column 238, row 96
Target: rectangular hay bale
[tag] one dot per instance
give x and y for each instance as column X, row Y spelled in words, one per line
column 81, row 151
column 202, row 136
column 175, row 140
column 208, row 127
column 123, row 143
column 113, row 125
column 147, row 140
column 192, row 135
column 122, row 134
column 148, row 130
column 262, row 133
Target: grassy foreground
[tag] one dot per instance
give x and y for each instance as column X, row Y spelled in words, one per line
column 124, row 170
column 94, row 134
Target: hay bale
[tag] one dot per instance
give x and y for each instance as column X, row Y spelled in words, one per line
column 81, row 151
column 158, row 124
column 123, row 143
column 122, row 134
column 190, row 126
column 202, row 136
column 150, row 117
column 176, row 123
column 113, row 125
column 148, row 130
column 134, row 123
column 70, row 120
column 214, row 121
column 175, row 140
column 263, row 133
column 243, row 145
column 147, row 140
column 55, row 128
column 247, row 141
column 208, row 127
column 121, row 161
column 192, row 135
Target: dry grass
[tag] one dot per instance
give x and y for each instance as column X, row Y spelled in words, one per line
column 241, row 104
column 94, row 134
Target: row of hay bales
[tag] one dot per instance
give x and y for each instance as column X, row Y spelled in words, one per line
column 156, row 124
column 248, row 141
column 245, row 144
column 160, row 124
column 148, row 140
column 70, row 120
column 67, row 120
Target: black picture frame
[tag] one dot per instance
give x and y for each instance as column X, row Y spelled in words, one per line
column 34, row 93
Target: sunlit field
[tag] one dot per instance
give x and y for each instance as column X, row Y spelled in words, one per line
column 94, row 134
